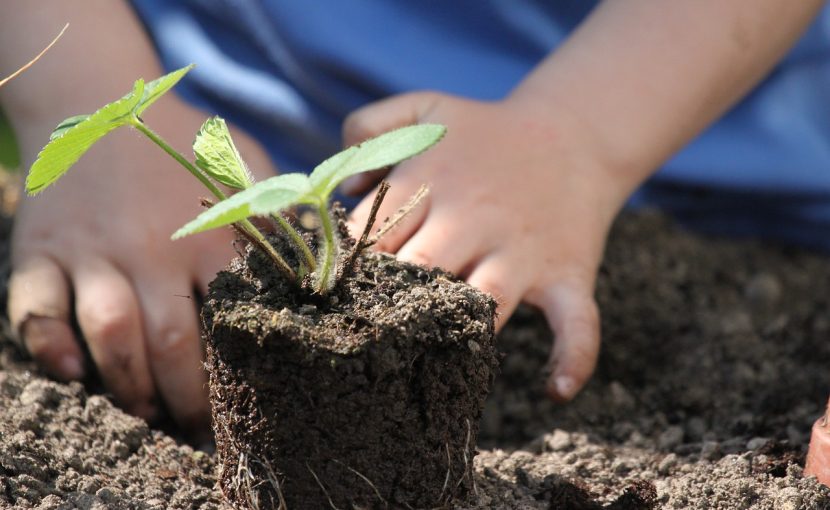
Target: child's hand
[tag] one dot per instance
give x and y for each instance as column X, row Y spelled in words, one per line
column 96, row 251
column 518, row 206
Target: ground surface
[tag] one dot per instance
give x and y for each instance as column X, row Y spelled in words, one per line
column 714, row 367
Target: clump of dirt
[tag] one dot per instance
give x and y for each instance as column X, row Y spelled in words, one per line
column 366, row 397
column 61, row 448
column 713, row 369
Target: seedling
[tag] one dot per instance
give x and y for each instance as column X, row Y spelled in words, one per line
column 218, row 162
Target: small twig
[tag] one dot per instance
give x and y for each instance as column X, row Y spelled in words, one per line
column 395, row 220
column 32, row 62
column 363, row 242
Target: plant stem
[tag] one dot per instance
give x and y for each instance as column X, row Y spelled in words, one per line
column 136, row 122
column 299, row 243
column 326, row 266
column 245, row 225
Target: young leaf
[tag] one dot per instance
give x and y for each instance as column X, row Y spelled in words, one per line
column 217, row 155
column 62, row 152
column 267, row 197
column 66, row 125
column 384, row 150
column 156, row 88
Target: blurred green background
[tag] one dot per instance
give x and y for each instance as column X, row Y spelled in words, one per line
column 9, row 155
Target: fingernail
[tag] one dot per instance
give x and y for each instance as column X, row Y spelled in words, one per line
column 71, row 368
column 566, row 387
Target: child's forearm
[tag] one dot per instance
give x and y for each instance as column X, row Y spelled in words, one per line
column 646, row 76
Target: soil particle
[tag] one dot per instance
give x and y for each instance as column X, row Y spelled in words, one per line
column 685, row 336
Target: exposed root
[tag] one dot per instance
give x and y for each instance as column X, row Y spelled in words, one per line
column 275, row 483
column 395, row 220
column 365, row 479
column 323, row 487
column 467, row 467
column 449, row 473
column 245, row 483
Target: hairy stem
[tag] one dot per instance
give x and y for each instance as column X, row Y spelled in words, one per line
column 136, row 122
column 246, row 226
column 326, row 266
column 300, row 245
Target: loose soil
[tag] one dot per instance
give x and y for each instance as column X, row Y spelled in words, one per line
column 714, row 367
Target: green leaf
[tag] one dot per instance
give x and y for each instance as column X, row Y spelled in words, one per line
column 379, row 152
column 67, row 148
column 66, row 124
column 264, row 198
column 217, row 155
column 156, row 88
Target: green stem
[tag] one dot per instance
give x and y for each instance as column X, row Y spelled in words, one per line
column 327, row 263
column 136, row 122
column 246, row 225
column 299, row 243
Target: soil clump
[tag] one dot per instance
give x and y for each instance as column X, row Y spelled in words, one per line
column 366, row 397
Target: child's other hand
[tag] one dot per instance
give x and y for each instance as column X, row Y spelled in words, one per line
column 95, row 251
column 519, row 207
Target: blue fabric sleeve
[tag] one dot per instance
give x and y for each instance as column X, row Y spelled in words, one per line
column 289, row 72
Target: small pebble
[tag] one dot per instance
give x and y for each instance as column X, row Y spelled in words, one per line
column 764, row 289
column 671, row 438
column 756, row 443
column 710, row 450
column 559, row 440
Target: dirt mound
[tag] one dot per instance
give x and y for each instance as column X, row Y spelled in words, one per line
column 713, row 370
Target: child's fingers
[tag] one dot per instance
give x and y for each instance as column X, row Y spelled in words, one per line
column 572, row 313
column 108, row 315
column 381, row 116
column 39, row 314
column 361, row 183
column 441, row 242
column 175, row 355
column 497, row 276
column 400, row 191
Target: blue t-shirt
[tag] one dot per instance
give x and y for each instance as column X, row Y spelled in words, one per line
column 289, row 71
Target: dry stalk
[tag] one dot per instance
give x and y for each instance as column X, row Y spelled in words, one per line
column 363, row 242
column 395, row 220
column 32, row 62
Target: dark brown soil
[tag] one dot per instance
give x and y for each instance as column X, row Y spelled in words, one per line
column 714, row 367
column 367, row 397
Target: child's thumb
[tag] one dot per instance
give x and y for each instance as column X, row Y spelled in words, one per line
column 382, row 116
column 573, row 315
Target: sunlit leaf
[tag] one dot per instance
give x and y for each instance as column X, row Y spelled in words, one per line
column 379, row 152
column 264, row 198
column 156, row 88
column 67, row 124
column 216, row 154
column 62, row 152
